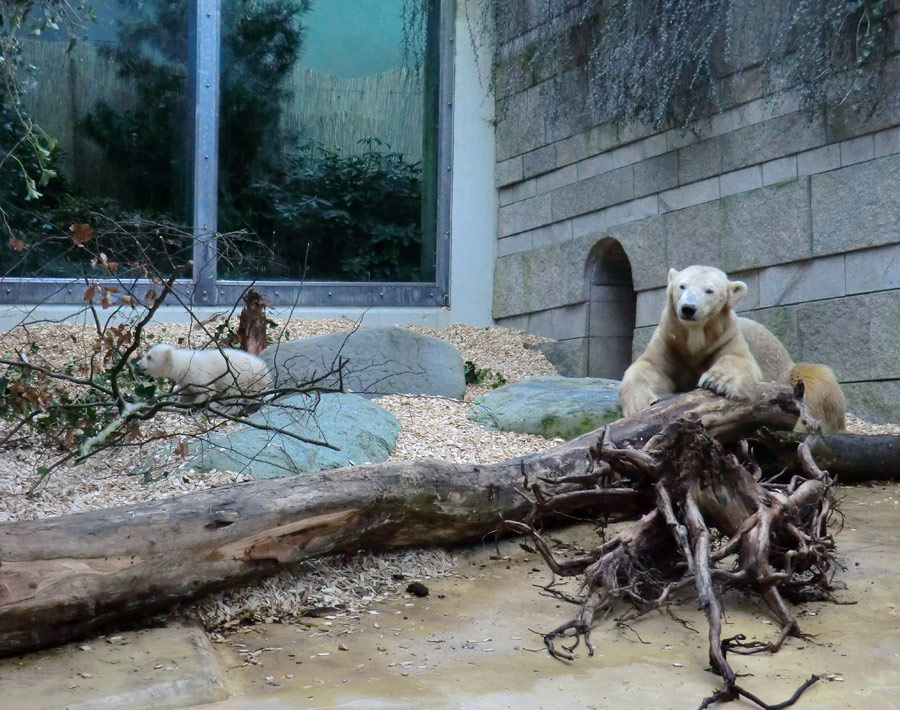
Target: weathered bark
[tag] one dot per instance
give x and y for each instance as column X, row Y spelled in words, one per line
column 252, row 323
column 717, row 519
column 63, row 577
column 851, row 458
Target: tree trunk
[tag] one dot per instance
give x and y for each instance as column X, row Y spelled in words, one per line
column 63, row 577
column 252, row 324
column 851, row 458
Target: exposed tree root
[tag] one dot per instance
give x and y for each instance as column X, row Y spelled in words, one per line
column 712, row 521
column 138, row 559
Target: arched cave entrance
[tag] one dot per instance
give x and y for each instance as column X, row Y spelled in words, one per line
column 611, row 310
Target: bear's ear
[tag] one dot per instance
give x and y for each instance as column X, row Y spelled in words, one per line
column 672, row 274
column 736, row 291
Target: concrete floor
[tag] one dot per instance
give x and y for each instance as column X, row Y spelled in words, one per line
column 471, row 645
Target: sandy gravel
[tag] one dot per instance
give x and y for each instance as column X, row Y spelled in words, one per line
column 433, row 427
column 855, row 425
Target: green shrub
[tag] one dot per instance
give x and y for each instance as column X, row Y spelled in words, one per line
column 261, row 41
column 478, row 376
column 357, row 216
column 30, row 189
column 71, row 236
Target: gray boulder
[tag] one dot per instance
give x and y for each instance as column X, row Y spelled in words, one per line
column 378, row 361
column 549, row 406
column 360, row 429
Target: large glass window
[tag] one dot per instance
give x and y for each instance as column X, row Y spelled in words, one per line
column 320, row 178
column 321, row 140
column 94, row 177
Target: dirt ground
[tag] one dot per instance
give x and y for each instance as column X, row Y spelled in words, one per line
column 472, row 643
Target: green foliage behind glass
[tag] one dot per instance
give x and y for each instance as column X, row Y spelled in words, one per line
column 25, row 198
column 28, row 156
column 261, row 41
column 313, row 212
column 358, row 215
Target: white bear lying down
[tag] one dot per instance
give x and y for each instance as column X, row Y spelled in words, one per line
column 700, row 342
column 200, row 374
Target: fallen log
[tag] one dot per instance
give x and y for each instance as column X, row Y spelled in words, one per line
column 852, row 458
column 62, row 578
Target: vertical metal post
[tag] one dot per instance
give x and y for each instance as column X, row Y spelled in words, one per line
column 447, row 49
column 204, row 39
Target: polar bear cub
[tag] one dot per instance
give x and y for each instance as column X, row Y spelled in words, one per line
column 700, row 342
column 201, row 374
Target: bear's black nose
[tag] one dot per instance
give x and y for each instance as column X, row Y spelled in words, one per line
column 688, row 311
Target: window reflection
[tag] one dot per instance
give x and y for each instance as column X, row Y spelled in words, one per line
column 109, row 97
column 330, row 179
column 327, row 142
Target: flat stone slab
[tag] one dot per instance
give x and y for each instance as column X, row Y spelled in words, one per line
column 549, row 406
column 149, row 669
column 361, row 430
column 377, row 361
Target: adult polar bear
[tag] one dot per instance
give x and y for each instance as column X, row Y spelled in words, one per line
column 701, row 342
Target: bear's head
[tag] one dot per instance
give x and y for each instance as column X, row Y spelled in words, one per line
column 699, row 293
column 157, row 361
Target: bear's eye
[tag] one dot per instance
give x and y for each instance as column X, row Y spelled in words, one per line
column 710, row 291
column 682, row 287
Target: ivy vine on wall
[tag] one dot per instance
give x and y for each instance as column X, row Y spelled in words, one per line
column 668, row 62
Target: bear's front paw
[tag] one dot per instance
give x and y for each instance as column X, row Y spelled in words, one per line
column 636, row 398
column 726, row 382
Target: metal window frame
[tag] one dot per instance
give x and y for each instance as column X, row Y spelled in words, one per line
column 204, row 289
column 204, row 67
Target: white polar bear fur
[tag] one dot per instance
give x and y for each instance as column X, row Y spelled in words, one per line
column 200, row 374
column 701, row 342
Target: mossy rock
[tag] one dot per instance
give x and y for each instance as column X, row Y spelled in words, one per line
column 549, row 406
column 362, row 431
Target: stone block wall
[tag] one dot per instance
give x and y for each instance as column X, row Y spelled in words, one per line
column 803, row 205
